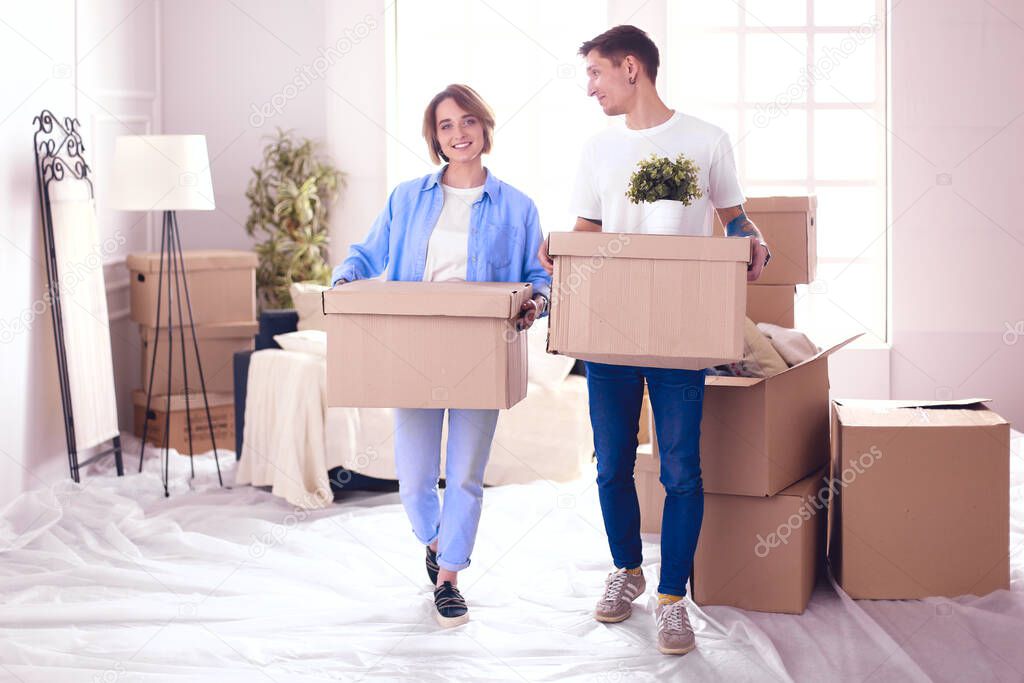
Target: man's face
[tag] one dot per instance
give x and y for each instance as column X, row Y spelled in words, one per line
column 609, row 83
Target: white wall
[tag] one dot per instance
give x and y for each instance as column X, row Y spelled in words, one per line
column 40, row 39
column 95, row 61
column 957, row 241
column 357, row 118
column 223, row 61
column 118, row 93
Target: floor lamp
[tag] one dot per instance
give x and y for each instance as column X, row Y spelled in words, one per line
column 167, row 173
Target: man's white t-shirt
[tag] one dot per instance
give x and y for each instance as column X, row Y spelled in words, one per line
column 610, row 158
column 448, row 247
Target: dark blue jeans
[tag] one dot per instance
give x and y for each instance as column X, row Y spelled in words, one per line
column 677, row 399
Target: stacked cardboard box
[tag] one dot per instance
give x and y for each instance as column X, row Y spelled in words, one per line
column 222, row 300
column 921, row 505
column 764, row 449
column 789, row 226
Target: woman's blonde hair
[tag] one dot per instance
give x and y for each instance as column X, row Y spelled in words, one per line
column 468, row 99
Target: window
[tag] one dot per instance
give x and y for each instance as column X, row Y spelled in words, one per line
column 800, row 87
column 520, row 55
column 798, row 84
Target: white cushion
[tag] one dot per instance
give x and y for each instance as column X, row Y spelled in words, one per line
column 304, row 341
column 308, row 302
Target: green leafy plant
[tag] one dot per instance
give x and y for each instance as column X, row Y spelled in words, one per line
column 289, row 198
column 659, row 178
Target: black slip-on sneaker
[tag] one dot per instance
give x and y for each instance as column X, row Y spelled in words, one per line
column 450, row 606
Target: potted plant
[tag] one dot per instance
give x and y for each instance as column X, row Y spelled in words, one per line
column 666, row 187
column 289, row 198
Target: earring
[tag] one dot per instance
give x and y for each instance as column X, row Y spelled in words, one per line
column 632, row 81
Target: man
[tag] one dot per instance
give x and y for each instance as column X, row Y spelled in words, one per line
column 622, row 65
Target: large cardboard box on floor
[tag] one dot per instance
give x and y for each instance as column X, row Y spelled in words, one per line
column 222, row 415
column 762, row 553
column 221, row 284
column 217, row 346
column 666, row 301
column 771, row 304
column 425, row 344
column 758, row 435
column 921, row 505
column 788, row 224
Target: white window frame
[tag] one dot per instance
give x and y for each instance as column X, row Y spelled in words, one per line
column 741, row 109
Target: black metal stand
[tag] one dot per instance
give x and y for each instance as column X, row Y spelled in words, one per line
column 58, row 149
column 172, row 263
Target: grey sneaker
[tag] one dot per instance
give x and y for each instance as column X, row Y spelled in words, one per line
column 675, row 635
column 620, row 590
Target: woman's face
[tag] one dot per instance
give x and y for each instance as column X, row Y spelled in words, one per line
column 460, row 134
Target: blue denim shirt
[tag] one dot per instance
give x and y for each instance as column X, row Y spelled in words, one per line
column 504, row 236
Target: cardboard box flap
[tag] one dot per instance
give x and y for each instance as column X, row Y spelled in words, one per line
column 454, row 299
column 807, row 487
column 632, row 245
column 204, row 259
column 824, row 352
column 212, row 331
column 969, row 412
column 910, row 403
column 195, row 400
column 832, row 515
column 731, row 381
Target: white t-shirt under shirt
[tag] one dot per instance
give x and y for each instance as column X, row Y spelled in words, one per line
column 610, row 158
column 448, row 248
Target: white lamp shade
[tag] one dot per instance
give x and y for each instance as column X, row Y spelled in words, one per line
column 161, row 173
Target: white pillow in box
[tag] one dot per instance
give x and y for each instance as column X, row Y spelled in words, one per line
column 545, row 369
column 309, row 304
column 304, row 341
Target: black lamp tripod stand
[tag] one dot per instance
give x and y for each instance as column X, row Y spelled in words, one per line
column 172, row 257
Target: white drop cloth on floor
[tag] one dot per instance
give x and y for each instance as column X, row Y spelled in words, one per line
column 108, row 580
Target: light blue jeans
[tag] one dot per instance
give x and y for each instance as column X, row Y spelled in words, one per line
column 418, row 463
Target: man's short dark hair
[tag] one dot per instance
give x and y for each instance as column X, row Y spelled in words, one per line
column 616, row 43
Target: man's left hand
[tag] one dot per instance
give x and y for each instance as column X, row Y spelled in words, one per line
column 758, row 259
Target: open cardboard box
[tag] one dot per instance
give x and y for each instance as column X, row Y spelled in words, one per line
column 758, row 435
column 921, row 498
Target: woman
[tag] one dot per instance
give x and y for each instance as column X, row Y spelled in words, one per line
column 459, row 223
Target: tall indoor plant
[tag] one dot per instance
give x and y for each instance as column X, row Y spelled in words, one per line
column 289, row 198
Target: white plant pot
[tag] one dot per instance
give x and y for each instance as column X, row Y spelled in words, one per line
column 664, row 215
